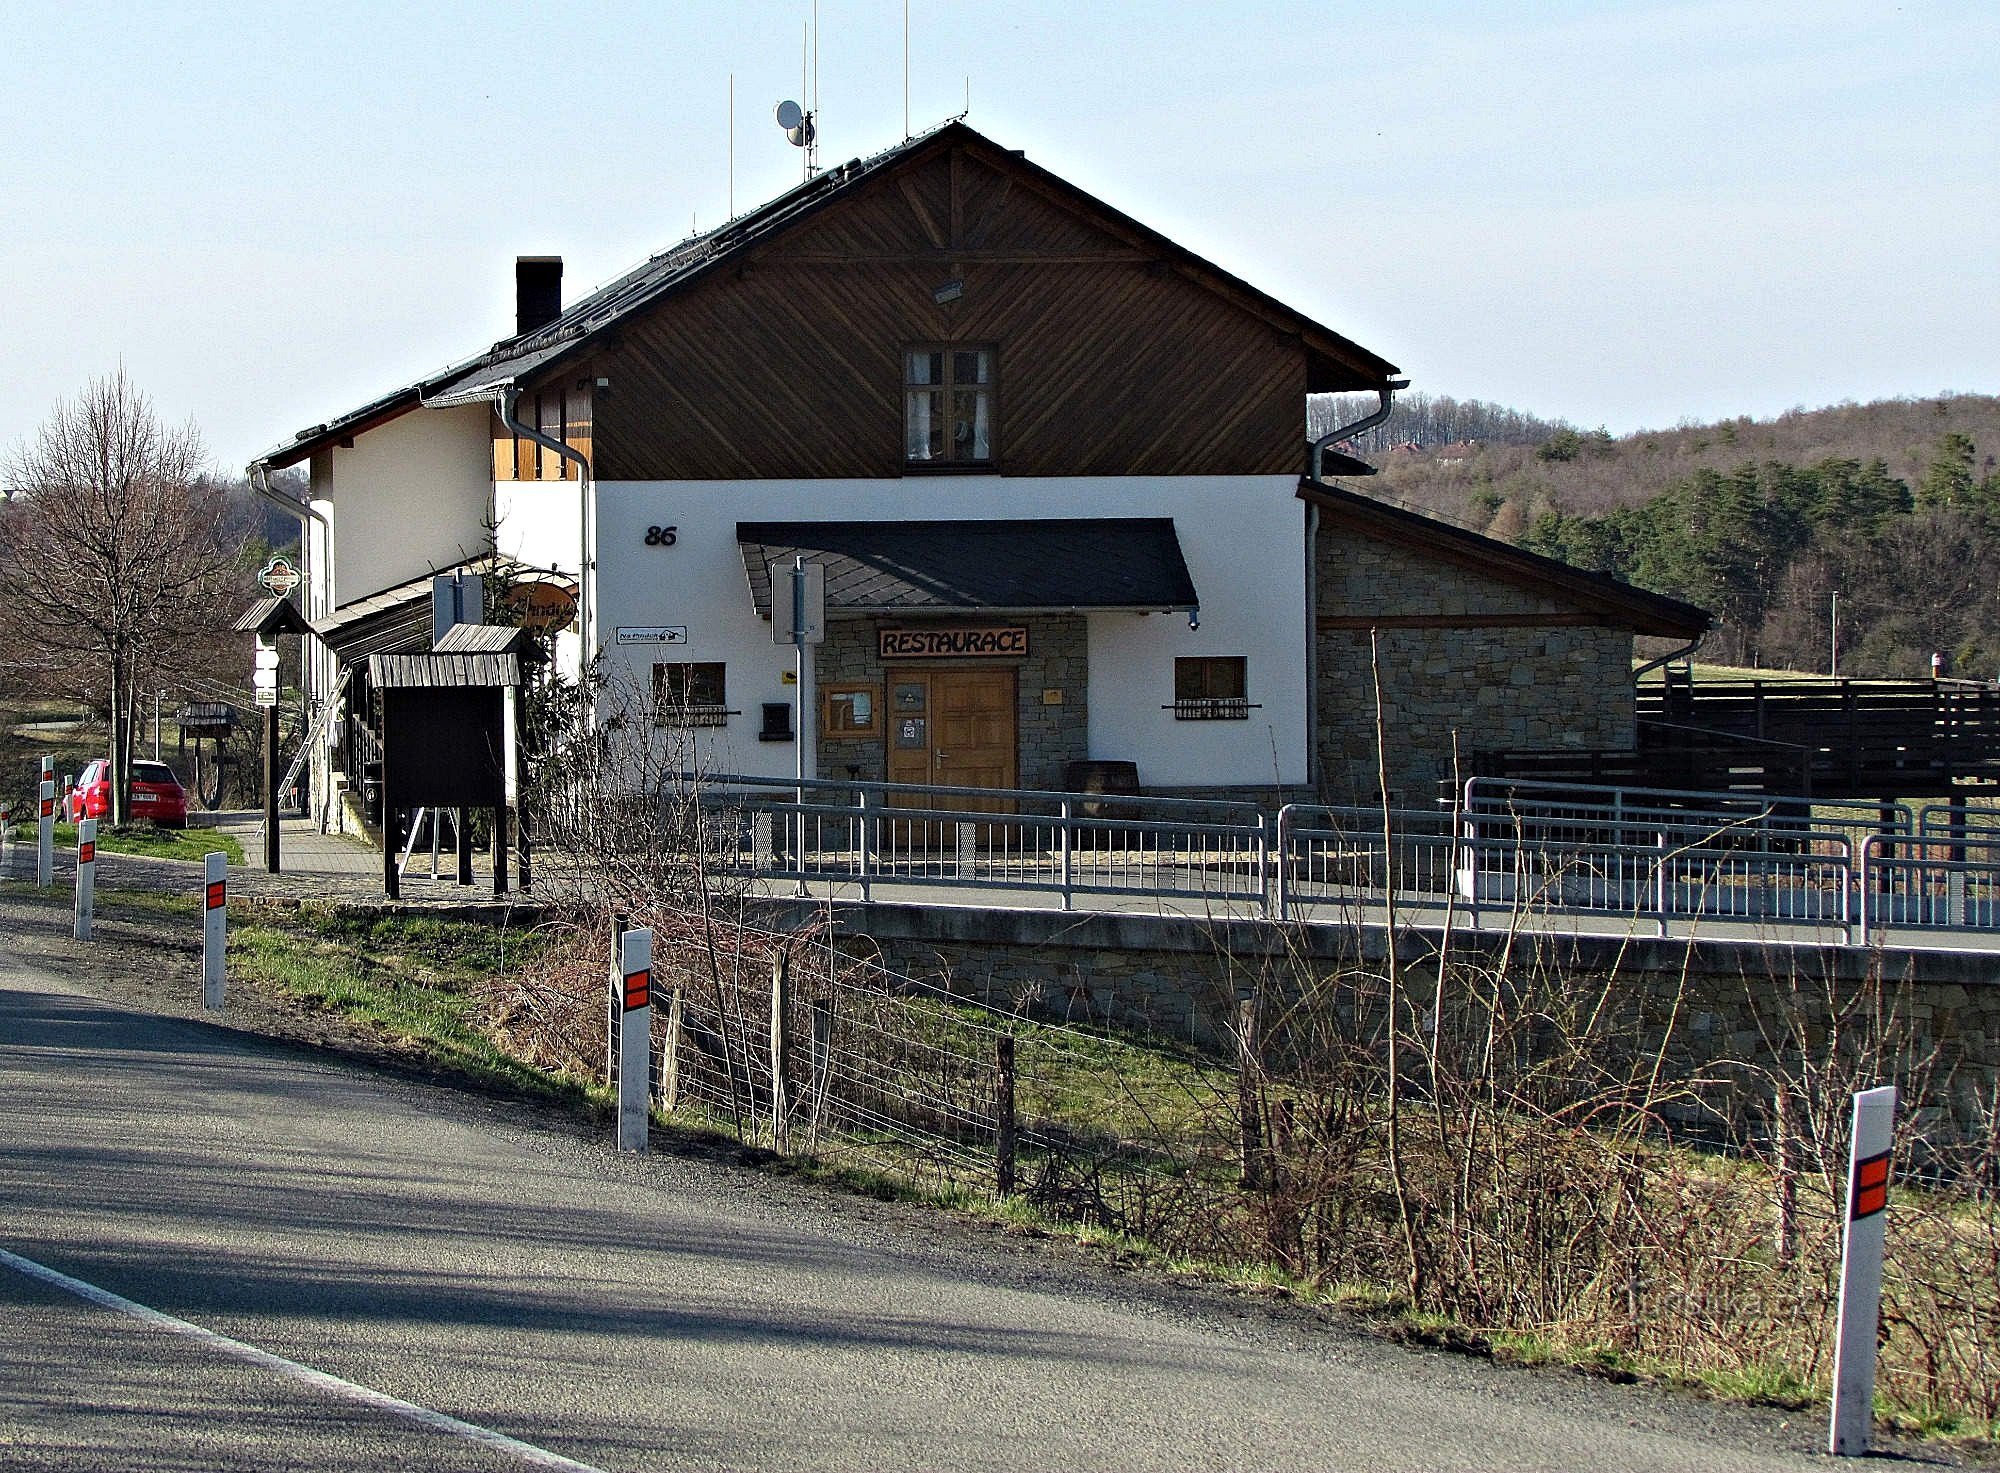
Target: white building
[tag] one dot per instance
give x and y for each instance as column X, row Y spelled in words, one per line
column 1051, row 461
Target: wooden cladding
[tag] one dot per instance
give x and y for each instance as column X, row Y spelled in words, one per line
column 791, row 365
column 1554, row 619
column 561, row 413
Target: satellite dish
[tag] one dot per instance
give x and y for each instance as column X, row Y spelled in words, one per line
column 796, row 122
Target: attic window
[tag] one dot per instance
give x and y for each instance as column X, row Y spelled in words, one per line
column 948, row 406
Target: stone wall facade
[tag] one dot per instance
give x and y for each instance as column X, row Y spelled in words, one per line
column 1485, row 685
column 1050, row 735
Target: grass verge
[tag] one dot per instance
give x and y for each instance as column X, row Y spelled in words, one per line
column 154, row 843
column 409, row 979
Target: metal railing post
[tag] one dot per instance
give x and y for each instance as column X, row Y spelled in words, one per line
column 1281, row 887
column 1263, row 866
column 1847, row 894
column 1065, row 850
column 862, row 841
column 1662, row 885
column 1864, row 883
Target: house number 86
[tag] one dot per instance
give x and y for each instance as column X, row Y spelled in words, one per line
column 662, row 536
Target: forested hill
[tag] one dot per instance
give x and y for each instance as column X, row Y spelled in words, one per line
column 1895, row 505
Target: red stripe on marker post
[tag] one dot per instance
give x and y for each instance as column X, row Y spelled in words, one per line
column 48, row 808
column 1871, row 1187
column 85, row 853
column 218, row 894
column 638, row 990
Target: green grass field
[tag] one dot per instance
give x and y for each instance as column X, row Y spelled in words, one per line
column 156, row 843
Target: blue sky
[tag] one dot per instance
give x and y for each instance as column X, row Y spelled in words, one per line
column 1624, row 214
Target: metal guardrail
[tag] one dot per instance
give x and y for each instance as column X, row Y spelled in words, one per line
column 1951, row 882
column 1661, row 855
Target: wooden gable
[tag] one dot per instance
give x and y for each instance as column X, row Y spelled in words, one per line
column 1112, row 357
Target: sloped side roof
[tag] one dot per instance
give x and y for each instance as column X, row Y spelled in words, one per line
column 432, row 672
column 1334, row 361
column 1622, row 605
column 955, row 566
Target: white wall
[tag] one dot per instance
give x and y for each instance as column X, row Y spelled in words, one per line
column 410, row 496
column 539, row 525
column 1242, row 537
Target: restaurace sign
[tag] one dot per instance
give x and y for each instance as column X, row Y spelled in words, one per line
column 279, row 577
column 995, row 642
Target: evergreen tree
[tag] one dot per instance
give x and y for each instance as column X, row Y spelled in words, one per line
column 1949, row 482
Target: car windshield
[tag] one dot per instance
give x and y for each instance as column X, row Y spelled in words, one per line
column 154, row 772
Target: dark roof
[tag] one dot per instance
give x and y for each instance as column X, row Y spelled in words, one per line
column 918, row 567
column 270, row 616
column 405, row 672
column 1333, row 361
column 482, row 639
column 396, row 619
column 1338, row 463
column 1622, row 605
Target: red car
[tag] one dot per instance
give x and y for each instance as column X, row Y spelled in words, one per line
column 156, row 794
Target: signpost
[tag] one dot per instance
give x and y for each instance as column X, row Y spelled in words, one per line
column 632, row 1003
column 1861, row 1272
column 214, row 927
column 798, row 618
column 264, row 680
column 86, row 876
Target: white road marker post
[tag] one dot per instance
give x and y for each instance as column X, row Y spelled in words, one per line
column 45, row 835
column 86, row 876
column 214, row 927
column 632, row 996
column 1861, row 1272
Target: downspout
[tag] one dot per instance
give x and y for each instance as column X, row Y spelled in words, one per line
column 503, row 405
column 1387, row 393
column 1312, row 649
column 322, row 659
column 260, row 482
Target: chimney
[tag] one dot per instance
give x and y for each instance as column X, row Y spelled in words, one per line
column 537, row 292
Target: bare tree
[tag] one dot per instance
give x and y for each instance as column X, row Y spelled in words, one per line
column 113, row 554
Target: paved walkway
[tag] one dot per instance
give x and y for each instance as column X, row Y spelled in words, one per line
column 313, row 866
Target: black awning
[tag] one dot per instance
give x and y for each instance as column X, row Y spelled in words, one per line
column 1027, row 566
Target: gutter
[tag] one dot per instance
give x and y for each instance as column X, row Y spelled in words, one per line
column 505, row 397
column 1334, row 436
column 1668, row 658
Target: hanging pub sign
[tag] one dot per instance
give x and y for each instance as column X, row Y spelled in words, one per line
column 540, row 607
column 279, row 577
column 1000, row 641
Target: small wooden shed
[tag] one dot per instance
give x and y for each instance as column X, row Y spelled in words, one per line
column 447, row 724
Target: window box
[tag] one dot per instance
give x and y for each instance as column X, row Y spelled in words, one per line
column 690, row 695
column 1212, row 688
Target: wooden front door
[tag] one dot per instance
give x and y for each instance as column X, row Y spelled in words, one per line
column 953, row 728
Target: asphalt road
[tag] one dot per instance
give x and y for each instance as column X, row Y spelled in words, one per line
column 471, row 1258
